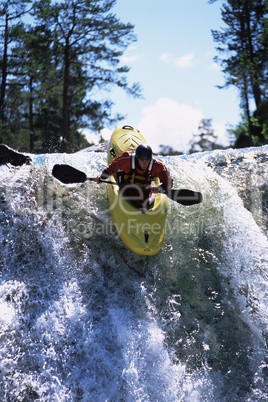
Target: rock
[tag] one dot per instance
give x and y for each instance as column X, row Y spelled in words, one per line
column 9, row 155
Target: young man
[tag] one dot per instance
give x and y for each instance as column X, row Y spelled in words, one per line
column 135, row 173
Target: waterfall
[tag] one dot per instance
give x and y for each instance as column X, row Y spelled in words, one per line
column 82, row 318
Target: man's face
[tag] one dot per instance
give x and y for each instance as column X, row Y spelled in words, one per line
column 143, row 164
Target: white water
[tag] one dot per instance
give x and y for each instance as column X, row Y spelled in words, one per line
column 82, row 318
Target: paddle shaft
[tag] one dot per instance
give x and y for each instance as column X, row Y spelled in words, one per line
column 68, row 175
column 104, row 181
column 182, row 196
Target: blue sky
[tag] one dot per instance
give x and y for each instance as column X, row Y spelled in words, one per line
column 172, row 59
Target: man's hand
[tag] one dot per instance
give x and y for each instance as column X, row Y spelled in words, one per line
column 97, row 179
column 154, row 190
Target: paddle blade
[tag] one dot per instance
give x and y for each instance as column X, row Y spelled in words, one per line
column 185, row 197
column 67, row 174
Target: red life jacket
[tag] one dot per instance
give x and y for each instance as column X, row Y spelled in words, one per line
column 136, row 176
column 127, row 171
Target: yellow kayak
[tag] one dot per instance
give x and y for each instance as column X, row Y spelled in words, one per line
column 142, row 231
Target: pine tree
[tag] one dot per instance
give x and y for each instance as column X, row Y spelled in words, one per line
column 89, row 41
column 53, row 63
column 11, row 12
column 243, row 51
column 206, row 139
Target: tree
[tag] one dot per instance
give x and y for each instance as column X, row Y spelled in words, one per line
column 205, row 140
column 168, row 150
column 53, row 67
column 243, row 50
column 89, row 41
column 10, row 12
column 259, row 128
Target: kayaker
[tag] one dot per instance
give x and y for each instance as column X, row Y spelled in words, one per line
column 138, row 169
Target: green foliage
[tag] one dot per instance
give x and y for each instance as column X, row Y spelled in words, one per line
column 243, row 56
column 258, row 127
column 54, row 67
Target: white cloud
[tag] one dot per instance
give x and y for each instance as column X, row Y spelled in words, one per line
column 171, row 123
column 130, row 59
column 219, row 128
column 131, row 55
column 106, row 133
column 186, row 61
column 168, row 122
column 214, row 66
column 94, row 137
column 166, row 57
column 91, row 137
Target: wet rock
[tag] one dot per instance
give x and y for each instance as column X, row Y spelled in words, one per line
column 9, row 155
